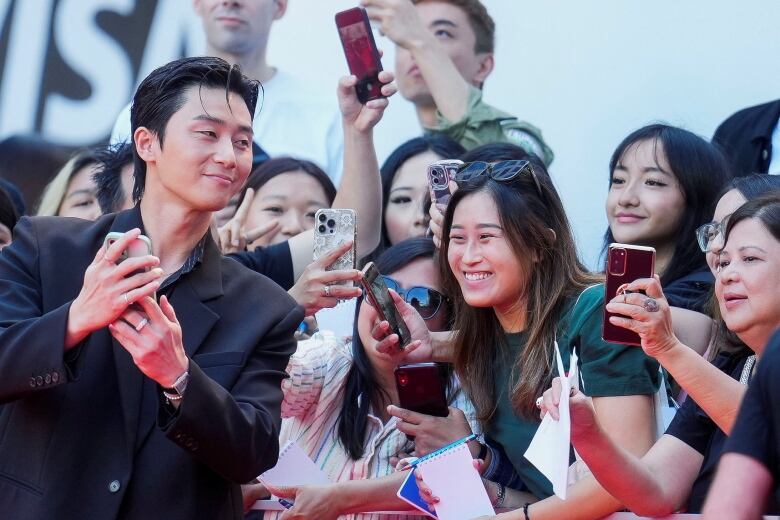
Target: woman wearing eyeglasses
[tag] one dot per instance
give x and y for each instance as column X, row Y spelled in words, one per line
column 663, row 185
column 336, row 398
column 676, row 473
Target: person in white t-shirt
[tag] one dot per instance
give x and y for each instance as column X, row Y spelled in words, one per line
column 291, row 118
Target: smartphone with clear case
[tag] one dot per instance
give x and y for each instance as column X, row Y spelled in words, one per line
column 333, row 227
column 440, row 174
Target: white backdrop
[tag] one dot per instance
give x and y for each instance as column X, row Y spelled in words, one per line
column 586, row 73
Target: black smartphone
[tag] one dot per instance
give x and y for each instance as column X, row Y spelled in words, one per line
column 625, row 263
column 440, row 174
column 379, row 296
column 361, row 51
column 422, row 388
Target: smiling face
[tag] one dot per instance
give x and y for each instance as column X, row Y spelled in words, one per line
column 482, row 259
column 748, row 283
column 645, row 203
column 292, row 198
column 80, row 200
column 450, row 26
column 404, row 214
column 207, row 151
column 240, row 26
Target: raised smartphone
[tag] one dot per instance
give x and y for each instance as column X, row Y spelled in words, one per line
column 625, row 263
column 422, row 388
column 379, row 296
column 361, row 51
column 440, row 174
column 333, row 227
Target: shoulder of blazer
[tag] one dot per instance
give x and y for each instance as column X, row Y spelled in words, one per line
column 69, row 232
column 239, row 280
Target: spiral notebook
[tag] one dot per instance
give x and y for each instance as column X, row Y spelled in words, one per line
column 452, row 477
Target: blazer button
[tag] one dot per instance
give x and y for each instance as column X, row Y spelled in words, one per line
column 55, row 376
column 114, row 486
column 39, row 380
column 47, row 379
column 32, row 382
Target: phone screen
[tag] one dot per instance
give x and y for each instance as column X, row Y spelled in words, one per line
column 357, row 46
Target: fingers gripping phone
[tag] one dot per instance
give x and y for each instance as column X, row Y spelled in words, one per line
column 141, row 246
column 422, row 388
column 379, row 296
column 333, row 227
column 625, row 263
column 440, row 174
column 361, row 51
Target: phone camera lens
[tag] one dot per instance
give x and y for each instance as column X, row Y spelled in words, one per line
column 331, row 223
column 322, row 217
column 321, row 228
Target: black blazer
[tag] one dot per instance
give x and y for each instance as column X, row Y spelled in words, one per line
column 86, row 435
column 746, row 138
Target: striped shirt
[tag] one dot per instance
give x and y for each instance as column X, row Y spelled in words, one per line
column 312, row 402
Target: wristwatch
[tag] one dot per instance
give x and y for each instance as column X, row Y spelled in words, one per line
column 179, row 386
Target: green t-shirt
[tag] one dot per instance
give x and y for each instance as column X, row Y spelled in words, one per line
column 606, row 369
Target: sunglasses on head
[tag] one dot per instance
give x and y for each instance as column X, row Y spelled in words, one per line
column 425, row 300
column 501, row 171
column 707, row 233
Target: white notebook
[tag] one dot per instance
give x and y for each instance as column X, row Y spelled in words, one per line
column 294, row 468
column 453, row 478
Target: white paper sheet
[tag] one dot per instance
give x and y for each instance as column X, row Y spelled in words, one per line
column 549, row 449
column 294, row 468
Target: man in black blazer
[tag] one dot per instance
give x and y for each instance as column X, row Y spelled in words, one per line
column 746, row 138
column 114, row 404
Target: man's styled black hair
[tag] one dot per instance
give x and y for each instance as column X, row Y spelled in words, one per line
column 161, row 94
column 108, row 177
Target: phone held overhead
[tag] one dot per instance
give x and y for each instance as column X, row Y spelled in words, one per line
column 361, row 51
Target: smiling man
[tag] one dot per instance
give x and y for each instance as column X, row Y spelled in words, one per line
column 444, row 54
column 117, row 405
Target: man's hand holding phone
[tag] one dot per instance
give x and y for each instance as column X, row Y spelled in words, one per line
column 398, row 20
column 109, row 288
column 363, row 118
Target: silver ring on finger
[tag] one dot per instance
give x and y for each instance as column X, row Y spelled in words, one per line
column 539, row 402
column 326, row 291
column 141, row 324
column 651, row 305
column 127, row 301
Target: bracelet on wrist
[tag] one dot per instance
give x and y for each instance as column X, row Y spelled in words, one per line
column 526, row 506
column 500, row 495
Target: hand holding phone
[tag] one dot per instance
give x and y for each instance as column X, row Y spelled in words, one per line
column 111, row 282
column 361, row 52
column 440, row 174
column 625, row 263
column 378, row 295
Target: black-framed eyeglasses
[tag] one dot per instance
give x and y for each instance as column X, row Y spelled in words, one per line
column 501, row 171
column 425, row 300
column 707, row 233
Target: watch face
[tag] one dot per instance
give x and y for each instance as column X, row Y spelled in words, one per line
column 180, row 385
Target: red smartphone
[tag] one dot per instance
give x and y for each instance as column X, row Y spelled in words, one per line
column 361, row 51
column 625, row 263
column 422, row 388
column 440, row 174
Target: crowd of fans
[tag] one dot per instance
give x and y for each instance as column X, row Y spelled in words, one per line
column 188, row 365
